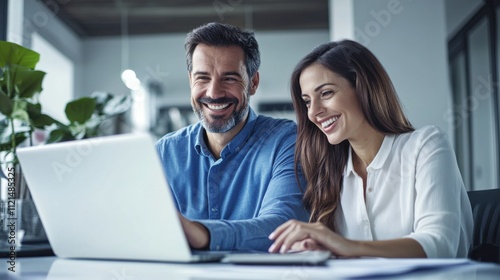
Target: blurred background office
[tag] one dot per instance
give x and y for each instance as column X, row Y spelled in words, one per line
column 442, row 56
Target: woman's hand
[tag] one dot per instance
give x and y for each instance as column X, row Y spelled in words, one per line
column 307, row 244
column 295, row 235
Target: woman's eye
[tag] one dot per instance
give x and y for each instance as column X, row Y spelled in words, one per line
column 326, row 93
column 307, row 103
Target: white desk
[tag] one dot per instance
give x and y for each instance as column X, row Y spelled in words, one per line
column 56, row 268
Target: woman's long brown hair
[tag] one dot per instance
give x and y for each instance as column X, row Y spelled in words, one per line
column 322, row 163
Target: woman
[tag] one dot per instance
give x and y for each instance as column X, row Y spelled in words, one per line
column 375, row 185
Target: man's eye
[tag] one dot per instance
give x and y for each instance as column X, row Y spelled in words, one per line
column 202, row 78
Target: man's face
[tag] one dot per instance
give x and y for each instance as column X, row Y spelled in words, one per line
column 220, row 87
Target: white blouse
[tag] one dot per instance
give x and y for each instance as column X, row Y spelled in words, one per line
column 414, row 190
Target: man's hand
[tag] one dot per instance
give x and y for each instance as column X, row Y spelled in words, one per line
column 197, row 235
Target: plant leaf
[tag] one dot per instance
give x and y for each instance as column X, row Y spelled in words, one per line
column 43, row 120
column 34, row 109
column 1, row 174
column 60, row 134
column 6, row 85
column 80, row 110
column 77, row 130
column 4, row 131
column 27, row 82
column 118, row 105
column 101, row 99
column 6, row 140
column 15, row 54
column 19, row 111
column 21, row 115
column 6, row 105
column 55, row 135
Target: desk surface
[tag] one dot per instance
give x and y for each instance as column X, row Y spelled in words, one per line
column 57, row 268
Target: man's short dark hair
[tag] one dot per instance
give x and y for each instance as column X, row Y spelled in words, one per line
column 224, row 35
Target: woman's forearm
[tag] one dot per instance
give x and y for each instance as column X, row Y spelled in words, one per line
column 395, row 248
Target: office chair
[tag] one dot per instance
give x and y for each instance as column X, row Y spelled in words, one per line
column 486, row 236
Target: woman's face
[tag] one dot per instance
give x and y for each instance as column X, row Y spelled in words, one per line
column 332, row 104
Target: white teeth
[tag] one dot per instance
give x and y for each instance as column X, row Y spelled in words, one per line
column 218, row 106
column 329, row 122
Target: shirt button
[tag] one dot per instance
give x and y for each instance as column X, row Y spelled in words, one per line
column 370, row 189
column 214, row 209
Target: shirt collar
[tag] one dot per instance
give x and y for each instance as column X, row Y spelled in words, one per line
column 383, row 152
column 234, row 145
column 378, row 161
column 349, row 169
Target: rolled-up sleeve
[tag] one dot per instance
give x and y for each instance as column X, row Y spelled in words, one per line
column 413, row 190
column 443, row 221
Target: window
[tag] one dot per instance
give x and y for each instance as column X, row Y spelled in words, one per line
column 3, row 20
column 474, row 79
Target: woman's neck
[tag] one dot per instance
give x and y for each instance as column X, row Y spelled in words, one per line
column 366, row 147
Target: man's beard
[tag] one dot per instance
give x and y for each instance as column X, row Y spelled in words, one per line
column 219, row 125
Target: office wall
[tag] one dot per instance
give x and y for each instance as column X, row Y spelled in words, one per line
column 162, row 58
column 409, row 38
column 151, row 57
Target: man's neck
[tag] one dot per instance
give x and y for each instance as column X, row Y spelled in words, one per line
column 217, row 141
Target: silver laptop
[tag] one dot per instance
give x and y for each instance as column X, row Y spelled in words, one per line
column 107, row 198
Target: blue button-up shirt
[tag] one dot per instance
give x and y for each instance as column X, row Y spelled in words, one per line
column 246, row 193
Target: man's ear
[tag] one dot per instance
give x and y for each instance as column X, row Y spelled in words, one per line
column 189, row 76
column 254, row 83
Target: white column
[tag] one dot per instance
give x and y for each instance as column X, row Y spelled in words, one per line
column 341, row 19
column 15, row 21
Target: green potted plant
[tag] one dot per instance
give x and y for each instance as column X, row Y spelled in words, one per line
column 21, row 112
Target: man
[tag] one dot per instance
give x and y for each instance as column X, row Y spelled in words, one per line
column 232, row 174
